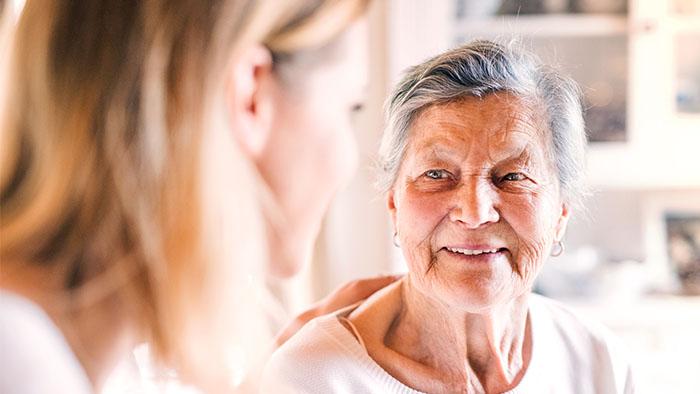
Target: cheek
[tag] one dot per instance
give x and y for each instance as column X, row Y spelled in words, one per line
column 324, row 156
column 331, row 140
column 342, row 150
column 532, row 218
column 418, row 214
column 312, row 155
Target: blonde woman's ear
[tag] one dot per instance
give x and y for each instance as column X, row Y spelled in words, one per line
column 249, row 98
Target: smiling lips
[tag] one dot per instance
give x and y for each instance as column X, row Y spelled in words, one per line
column 474, row 251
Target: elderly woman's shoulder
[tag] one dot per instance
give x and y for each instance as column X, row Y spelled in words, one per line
column 579, row 344
column 309, row 360
column 565, row 320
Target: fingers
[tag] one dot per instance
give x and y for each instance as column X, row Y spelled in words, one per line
column 346, row 295
column 360, row 289
column 295, row 325
column 354, row 292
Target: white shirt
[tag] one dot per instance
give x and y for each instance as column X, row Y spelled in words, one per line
column 34, row 355
column 568, row 356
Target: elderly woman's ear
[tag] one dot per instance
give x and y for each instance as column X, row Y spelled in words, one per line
column 562, row 222
column 391, row 205
column 250, row 98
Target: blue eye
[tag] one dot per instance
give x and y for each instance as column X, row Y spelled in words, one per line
column 436, row 174
column 513, row 177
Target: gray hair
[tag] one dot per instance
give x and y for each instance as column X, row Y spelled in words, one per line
column 478, row 69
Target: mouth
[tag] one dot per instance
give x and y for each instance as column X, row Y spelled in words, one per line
column 476, row 252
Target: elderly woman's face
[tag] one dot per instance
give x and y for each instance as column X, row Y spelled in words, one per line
column 476, row 203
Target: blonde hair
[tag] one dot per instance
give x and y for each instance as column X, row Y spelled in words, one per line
column 118, row 168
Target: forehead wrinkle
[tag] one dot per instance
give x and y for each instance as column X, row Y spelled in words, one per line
column 512, row 149
column 518, row 140
column 523, row 160
column 511, row 129
column 518, row 114
column 441, row 148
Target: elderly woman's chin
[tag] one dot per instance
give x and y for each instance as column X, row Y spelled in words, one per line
column 470, row 292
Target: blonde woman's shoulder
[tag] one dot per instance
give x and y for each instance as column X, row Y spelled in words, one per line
column 34, row 354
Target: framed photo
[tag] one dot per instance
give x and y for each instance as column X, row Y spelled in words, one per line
column 683, row 248
column 672, row 238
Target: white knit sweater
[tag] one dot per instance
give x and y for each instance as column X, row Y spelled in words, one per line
column 568, row 356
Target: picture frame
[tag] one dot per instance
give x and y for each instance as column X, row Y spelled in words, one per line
column 673, row 262
column 683, row 249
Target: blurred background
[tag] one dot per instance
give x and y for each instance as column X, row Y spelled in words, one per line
column 633, row 258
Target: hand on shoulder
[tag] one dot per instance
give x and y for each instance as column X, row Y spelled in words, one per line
column 348, row 294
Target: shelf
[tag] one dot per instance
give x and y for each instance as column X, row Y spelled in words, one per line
column 553, row 25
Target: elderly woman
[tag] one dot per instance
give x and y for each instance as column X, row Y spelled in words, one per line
column 482, row 166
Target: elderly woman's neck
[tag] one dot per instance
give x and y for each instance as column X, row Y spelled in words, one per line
column 493, row 344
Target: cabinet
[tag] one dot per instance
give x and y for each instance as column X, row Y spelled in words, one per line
column 638, row 63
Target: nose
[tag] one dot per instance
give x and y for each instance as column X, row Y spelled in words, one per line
column 475, row 203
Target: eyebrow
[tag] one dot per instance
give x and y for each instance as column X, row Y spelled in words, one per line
column 437, row 147
column 522, row 157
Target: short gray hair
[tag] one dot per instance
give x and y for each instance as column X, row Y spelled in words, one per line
column 478, row 69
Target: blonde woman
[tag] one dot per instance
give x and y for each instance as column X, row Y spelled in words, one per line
column 155, row 156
